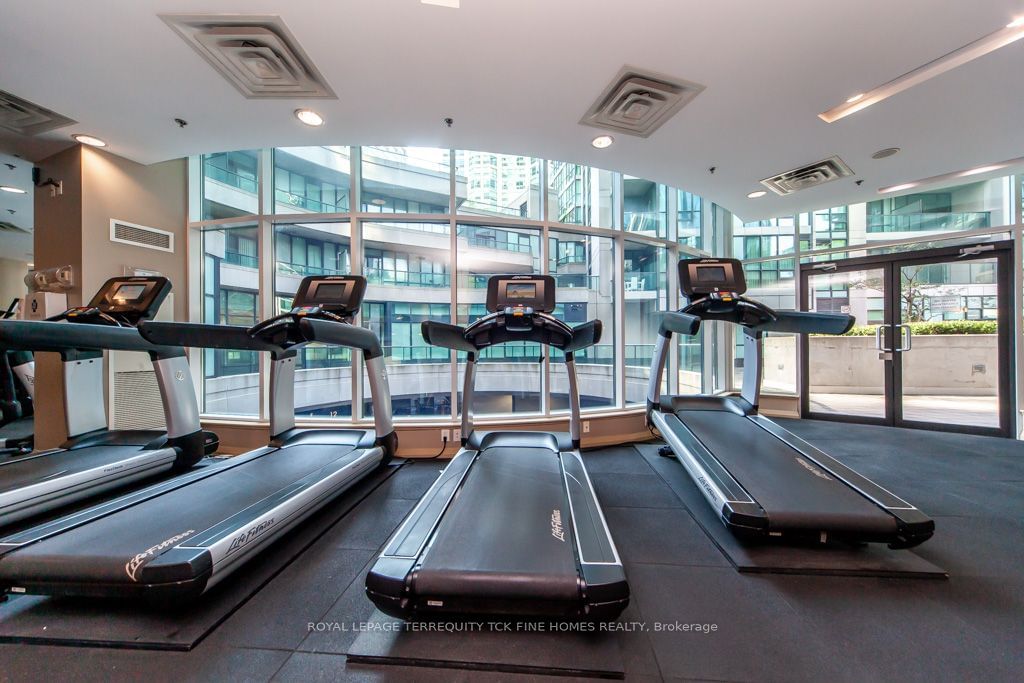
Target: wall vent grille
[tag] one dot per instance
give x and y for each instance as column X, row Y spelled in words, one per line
column 638, row 102
column 141, row 236
column 811, row 175
column 137, row 402
column 256, row 54
column 27, row 118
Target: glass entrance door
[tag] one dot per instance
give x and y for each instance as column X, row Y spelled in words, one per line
column 949, row 366
column 847, row 377
column 931, row 347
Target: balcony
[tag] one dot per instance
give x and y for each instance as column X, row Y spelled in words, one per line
column 928, row 222
column 244, row 260
column 308, row 204
column 302, row 269
column 226, row 177
column 405, row 278
column 641, row 281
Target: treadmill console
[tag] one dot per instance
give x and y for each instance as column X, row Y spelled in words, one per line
column 339, row 295
column 703, row 276
column 536, row 292
column 122, row 301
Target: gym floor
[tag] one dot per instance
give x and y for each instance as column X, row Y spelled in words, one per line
column 769, row 627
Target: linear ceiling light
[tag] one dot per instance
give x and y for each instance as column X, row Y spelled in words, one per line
column 952, row 177
column 1012, row 32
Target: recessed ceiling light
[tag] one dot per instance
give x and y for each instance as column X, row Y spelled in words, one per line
column 756, row 194
column 885, row 153
column 309, row 117
column 982, row 169
column 855, row 98
column 90, row 140
column 896, row 188
column 31, row 265
column 1013, row 31
column 378, row 201
column 14, row 190
column 602, row 141
column 454, row 4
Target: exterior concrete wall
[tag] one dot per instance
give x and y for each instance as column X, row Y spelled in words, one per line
column 957, row 365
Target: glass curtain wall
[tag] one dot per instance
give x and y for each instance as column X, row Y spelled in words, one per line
column 464, row 215
column 584, row 270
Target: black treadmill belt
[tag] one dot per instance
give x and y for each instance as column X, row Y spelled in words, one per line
column 98, row 551
column 17, row 473
column 18, row 430
column 498, row 537
column 794, row 492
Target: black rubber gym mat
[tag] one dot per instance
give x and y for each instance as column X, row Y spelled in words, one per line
column 109, row 623
column 872, row 559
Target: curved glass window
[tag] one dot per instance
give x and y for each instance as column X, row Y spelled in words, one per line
column 427, row 227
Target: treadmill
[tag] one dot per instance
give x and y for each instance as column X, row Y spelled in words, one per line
column 512, row 525
column 761, row 479
column 17, row 386
column 96, row 459
column 174, row 540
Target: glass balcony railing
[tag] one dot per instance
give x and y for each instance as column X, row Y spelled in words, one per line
column 928, row 222
column 406, row 278
column 222, row 175
column 641, row 281
column 302, row 269
column 309, row 204
column 576, row 280
column 493, row 243
column 644, row 221
column 239, row 259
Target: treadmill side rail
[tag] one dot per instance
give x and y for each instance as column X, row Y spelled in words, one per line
column 737, row 508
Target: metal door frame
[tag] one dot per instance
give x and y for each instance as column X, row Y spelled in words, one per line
column 891, row 265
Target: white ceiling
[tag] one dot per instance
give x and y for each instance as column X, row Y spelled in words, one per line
column 517, row 75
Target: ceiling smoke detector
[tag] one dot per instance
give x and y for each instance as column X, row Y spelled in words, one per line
column 811, row 175
column 638, row 102
column 256, row 54
column 27, row 118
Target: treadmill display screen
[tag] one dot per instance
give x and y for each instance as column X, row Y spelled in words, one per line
column 710, row 273
column 519, row 291
column 331, row 291
column 128, row 293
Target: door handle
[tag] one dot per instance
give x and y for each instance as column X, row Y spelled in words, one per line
column 878, row 340
column 907, row 338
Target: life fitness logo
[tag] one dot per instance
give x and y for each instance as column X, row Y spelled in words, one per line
column 143, row 558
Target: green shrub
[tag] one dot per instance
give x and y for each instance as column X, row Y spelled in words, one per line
column 937, row 327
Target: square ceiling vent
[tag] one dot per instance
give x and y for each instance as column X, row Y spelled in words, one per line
column 256, row 54
column 638, row 102
column 27, row 118
column 811, row 175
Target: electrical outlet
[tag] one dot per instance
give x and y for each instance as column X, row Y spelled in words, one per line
column 586, row 426
column 457, row 435
column 445, row 435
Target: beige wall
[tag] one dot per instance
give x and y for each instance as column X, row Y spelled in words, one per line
column 74, row 229
column 154, row 196
column 12, row 280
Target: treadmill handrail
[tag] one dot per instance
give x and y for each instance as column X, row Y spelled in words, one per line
column 547, row 330
column 803, row 322
column 35, row 335
column 673, row 322
column 206, row 336
column 342, row 334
